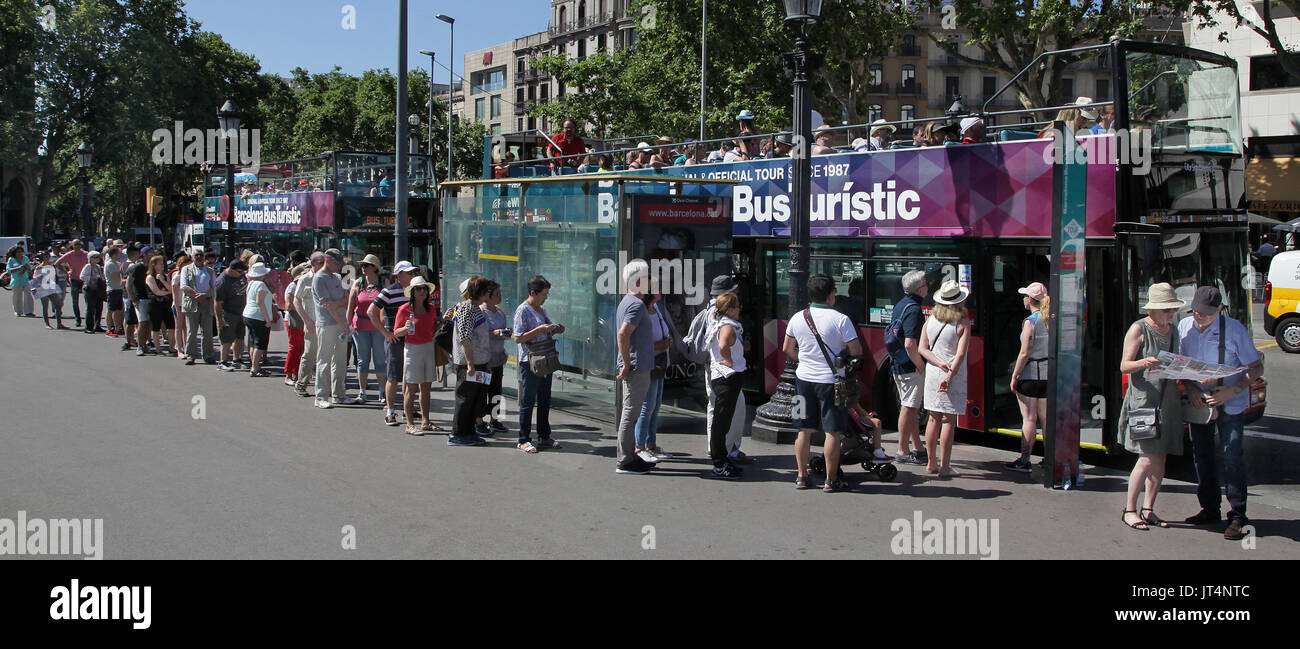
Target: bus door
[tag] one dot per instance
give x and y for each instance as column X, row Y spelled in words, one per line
column 1009, row 269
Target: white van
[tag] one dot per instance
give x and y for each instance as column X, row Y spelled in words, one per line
column 1282, row 300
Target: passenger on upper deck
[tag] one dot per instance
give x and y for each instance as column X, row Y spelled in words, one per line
column 880, row 135
column 571, row 146
column 781, row 148
column 822, row 138
column 972, row 130
column 689, row 155
column 748, row 143
column 726, row 147
column 1076, row 119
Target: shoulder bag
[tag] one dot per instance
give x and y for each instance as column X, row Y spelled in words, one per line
column 1205, row 413
column 846, row 393
column 661, row 358
column 1033, row 388
column 543, row 359
column 1144, row 423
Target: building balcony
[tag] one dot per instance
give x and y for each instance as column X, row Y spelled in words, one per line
column 910, row 50
column 586, row 22
column 878, row 89
column 909, row 89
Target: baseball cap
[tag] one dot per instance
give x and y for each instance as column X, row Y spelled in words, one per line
column 969, row 122
column 336, row 255
column 404, row 267
column 1035, row 291
column 1208, row 300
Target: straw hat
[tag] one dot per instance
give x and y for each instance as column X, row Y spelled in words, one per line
column 951, row 293
column 418, row 281
column 258, row 270
column 1162, row 296
column 373, row 261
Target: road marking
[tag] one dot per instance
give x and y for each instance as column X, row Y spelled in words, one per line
column 1273, row 436
column 1266, row 346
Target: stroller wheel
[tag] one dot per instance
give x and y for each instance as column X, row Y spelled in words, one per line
column 817, row 465
column 887, row 471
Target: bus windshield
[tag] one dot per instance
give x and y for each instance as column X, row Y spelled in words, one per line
column 1187, row 104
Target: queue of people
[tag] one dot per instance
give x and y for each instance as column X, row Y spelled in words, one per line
column 172, row 308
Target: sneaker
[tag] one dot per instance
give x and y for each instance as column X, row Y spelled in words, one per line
column 660, row 453
column 111, row 334
column 648, row 457
column 907, row 458
column 225, row 367
column 738, row 457
column 390, row 418
column 483, row 431
column 336, row 401
column 189, row 361
column 126, row 347
column 920, row 456
column 465, row 441
column 361, row 397
column 300, row 391
column 1022, row 465
column 498, row 426
column 881, row 457
column 727, row 471
column 353, row 401
column 637, row 466
column 140, row 352
column 323, row 404
column 240, row 365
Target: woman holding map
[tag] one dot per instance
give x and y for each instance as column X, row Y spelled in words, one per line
column 1151, row 419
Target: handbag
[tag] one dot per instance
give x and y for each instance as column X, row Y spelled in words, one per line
column 1205, row 413
column 543, row 359
column 846, row 393
column 1144, row 423
column 660, row 368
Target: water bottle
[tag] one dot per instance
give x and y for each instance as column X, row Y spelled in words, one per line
column 1066, row 482
column 1078, row 481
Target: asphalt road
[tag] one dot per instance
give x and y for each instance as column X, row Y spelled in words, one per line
column 93, row 432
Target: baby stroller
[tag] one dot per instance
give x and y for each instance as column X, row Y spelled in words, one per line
column 856, row 448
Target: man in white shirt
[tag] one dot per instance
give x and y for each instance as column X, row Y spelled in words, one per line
column 197, row 281
column 815, row 378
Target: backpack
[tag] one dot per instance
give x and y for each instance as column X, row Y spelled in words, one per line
column 697, row 337
column 894, row 343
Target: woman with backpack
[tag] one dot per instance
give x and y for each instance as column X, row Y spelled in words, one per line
column 533, row 331
column 1029, row 376
column 945, row 339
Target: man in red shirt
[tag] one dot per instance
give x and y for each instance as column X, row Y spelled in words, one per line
column 76, row 259
column 972, row 130
column 570, row 145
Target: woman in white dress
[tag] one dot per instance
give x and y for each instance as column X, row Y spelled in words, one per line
column 944, row 341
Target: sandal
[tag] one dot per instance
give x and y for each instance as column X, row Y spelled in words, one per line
column 834, row 486
column 526, row 447
column 413, row 431
column 1152, row 519
column 1139, row 525
column 430, row 427
column 801, row 482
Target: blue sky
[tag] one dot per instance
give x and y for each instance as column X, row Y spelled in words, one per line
column 285, row 34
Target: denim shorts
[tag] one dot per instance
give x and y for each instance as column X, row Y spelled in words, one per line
column 819, row 408
column 394, row 359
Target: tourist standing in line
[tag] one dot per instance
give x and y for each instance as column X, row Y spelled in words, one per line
column 76, row 259
column 1031, row 366
column 499, row 333
column 19, row 266
column 726, row 374
column 368, row 339
column 531, row 326
column 470, row 352
column 647, row 422
column 908, row 368
column 635, row 360
column 415, row 324
column 331, row 332
column 388, row 302
column 113, row 278
column 92, row 279
column 259, row 312
column 305, row 301
column 944, row 343
column 197, row 282
column 231, row 294
column 1144, row 341
column 293, row 325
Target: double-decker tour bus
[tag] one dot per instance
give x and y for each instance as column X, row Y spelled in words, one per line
column 339, row 199
column 1165, row 203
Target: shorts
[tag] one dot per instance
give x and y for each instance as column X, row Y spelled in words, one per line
column 132, row 313
column 115, row 300
column 395, row 356
column 142, row 310
column 820, row 412
column 234, row 329
column 259, row 333
column 911, row 389
column 419, row 363
column 161, row 316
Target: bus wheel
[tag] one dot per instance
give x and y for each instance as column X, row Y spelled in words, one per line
column 1288, row 335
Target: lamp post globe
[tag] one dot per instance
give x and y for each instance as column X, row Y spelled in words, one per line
column 803, row 11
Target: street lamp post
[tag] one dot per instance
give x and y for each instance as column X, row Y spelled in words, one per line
column 774, row 421
column 228, row 117
column 451, row 87
column 85, row 152
column 403, row 167
column 429, row 144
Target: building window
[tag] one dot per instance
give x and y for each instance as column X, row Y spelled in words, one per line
column 544, row 92
column 532, row 123
column 952, row 87
column 560, row 19
column 520, row 67
column 532, row 92
column 1026, row 119
column 1266, row 74
column 582, row 49
column 909, row 76
column 519, row 96
column 496, row 106
column 909, row 45
column 582, row 12
column 520, row 123
column 480, row 109
column 600, row 43
column 496, row 129
column 875, row 112
column 877, row 76
column 907, row 113
column 487, row 80
column 1067, row 89
column 990, row 86
column 1103, row 90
